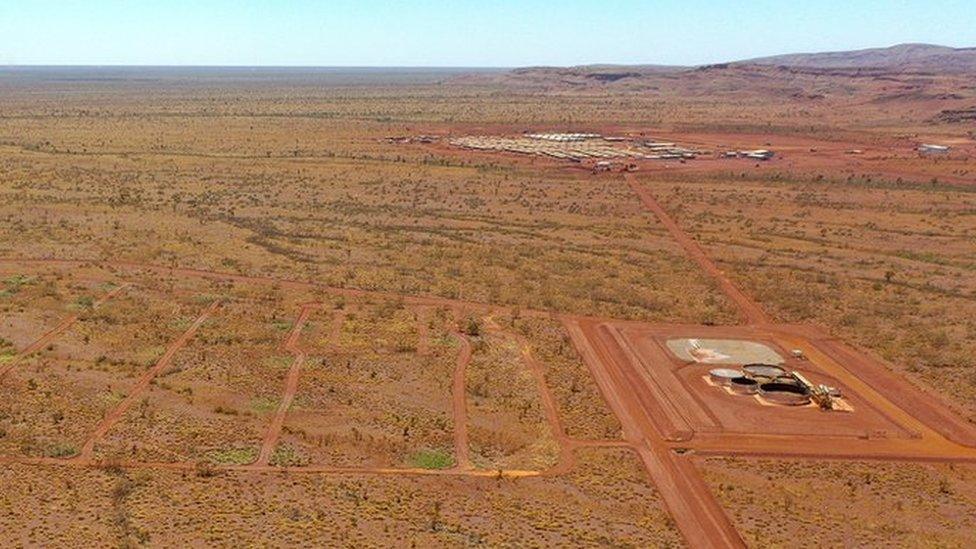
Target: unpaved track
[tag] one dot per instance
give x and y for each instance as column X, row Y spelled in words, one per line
column 697, row 515
column 599, row 443
column 927, row 449
column 459, row 398
column 749, row 309
column 113, row 417
column 66, row 323
column 291, row 386
column 567, row 458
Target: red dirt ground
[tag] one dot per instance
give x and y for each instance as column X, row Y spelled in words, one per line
column 668, row 412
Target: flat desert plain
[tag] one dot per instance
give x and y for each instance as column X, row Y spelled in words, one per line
column 291, row 307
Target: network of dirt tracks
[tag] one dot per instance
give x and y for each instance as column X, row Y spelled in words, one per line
column 291, row 344
column 627, row 380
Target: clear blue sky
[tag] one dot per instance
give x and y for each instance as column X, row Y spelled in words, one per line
column 461, row 32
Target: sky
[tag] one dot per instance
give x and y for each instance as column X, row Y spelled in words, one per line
column 461, row 33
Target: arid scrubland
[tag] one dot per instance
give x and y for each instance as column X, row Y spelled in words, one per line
column 297, row 194
column 368, row 396
column 787, row 503
column 244, row 213
column 606, row 502
column 375, row 391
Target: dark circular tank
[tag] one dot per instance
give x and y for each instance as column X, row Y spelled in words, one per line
column 744, row 386
column 787, row 379
column 786, row 394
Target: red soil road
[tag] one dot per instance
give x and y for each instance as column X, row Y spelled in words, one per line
column 633, row 399
column 748, row 308
column 459, row 400
column 291, row 387
column 668, row 418
column 45, row 339
column 567, row 459
column 928, row 449
column 696, row 513
column 601, row 443
column 142, row 385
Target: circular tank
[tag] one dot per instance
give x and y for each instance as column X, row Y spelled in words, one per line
column 787, row 380
column 764, row 371
column 744, row 386
column 786, row 394
column 723, row 376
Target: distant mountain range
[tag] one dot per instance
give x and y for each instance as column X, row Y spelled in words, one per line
column 932, row 83
column 915, row 57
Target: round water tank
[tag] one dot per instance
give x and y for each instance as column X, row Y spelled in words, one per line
column 744, row 386
column 766, row 371
column 724, row 376
column 786, row 394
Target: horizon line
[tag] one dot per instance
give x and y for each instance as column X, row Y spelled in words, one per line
column 6, row 66
column 242, row 66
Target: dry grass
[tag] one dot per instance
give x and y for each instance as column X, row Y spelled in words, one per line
column 508, row 429
column 789, row 503
column 585, row 414
column 366, row 396
column 607, row 502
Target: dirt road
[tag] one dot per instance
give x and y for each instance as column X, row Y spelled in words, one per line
column 698, row 516
column 459, row 399
column 751, row 312
column 117, row 413
column 270, row 440
column 567, row 459
column 48, row 337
